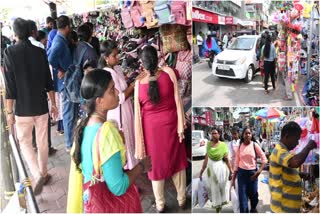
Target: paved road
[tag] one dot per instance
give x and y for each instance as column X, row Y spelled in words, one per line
column 209, row 90
column 264, row 193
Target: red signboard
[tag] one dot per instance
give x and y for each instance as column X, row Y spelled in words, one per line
column 209, row 118
column 199, row 15
column 199, row 120
column 229, row 20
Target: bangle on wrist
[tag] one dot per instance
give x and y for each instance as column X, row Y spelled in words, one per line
column 11, row 112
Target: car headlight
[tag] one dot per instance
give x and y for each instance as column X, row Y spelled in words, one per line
column 241, row 60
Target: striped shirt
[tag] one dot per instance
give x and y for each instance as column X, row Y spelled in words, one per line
column 284, row 182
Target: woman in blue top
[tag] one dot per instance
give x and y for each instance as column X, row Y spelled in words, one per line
column 98, row 90
column 269, row 59
column 210, row 44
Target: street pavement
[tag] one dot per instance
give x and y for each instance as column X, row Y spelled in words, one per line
column 209, row 90
column 263, row 190
column 53, row 198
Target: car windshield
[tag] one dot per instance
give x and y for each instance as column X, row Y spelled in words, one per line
column 242, row 44
column 196, row 135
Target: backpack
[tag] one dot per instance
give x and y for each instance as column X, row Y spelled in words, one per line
column 162, row 11
column 126, row 17
column 148, row 13
column 73, row 78
column 178, row 10
column 135, row 12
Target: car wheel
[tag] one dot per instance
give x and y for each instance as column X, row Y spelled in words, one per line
column 249, row 74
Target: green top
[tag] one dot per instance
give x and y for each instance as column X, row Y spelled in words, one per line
column 217, row 153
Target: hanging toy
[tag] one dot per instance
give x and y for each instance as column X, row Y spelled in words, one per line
column 293, row 88
column 276, row 18
column 307, row 9
column 298, row 6
column 294, row 14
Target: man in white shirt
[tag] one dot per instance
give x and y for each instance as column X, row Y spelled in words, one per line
column 233, row 148
column 233, row 145
column 225, row 41
column 33, row 34
column 200, row 43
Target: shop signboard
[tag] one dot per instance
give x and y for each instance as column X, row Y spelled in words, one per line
column 229, row 20
column 199, row 15
column 208, row 118
column 219, row 123
column 221, row 20
column 199, row 120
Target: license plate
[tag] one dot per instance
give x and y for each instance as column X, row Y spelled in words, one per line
column 223, row 67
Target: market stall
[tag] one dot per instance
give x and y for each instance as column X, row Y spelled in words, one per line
column 164, row 24
column 292, row 57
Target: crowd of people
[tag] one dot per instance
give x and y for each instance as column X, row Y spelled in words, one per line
column 234, row 165
column 122, row 135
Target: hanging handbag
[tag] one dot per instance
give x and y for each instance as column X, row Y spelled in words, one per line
column 101, row 200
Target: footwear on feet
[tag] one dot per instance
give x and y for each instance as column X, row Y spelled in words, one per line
column 39, row 186
column 68, row 150
column 161, row 210
column 52, row 151
column 183, row 206
column 266, row 92
column 47, row 178
column 287, row 98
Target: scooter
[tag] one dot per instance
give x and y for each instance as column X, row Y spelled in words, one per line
column 210, row 57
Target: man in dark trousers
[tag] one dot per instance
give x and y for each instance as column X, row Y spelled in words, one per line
column 27, row 81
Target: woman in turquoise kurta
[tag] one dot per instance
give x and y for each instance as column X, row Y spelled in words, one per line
column 98, row 90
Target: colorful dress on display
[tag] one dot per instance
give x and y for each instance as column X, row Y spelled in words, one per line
column 124, row 111
column 160, row 130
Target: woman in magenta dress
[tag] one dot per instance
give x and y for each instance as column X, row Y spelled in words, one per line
column 162, row 118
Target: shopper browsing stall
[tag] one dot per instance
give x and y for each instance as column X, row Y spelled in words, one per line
column 123, row 114
column 158, row 109
column 285, row 182
column 108, row 153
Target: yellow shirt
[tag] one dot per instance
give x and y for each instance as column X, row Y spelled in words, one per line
column 284, row 182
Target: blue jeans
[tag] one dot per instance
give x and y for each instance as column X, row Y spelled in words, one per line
column 69, row 113
column 200, row 50
column 247, row 189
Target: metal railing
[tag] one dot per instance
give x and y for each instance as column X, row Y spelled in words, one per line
column 31, row 201
column 12, row 166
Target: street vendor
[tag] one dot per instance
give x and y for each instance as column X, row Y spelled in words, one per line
column 285, row 182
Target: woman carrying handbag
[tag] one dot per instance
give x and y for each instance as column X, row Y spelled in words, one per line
column 100, row 155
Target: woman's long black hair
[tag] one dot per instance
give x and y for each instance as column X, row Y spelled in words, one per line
column 267, row 47
column 220, row 133
column 149, row 57
column 93, row 85
column 106, row 49
column 242, row 135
